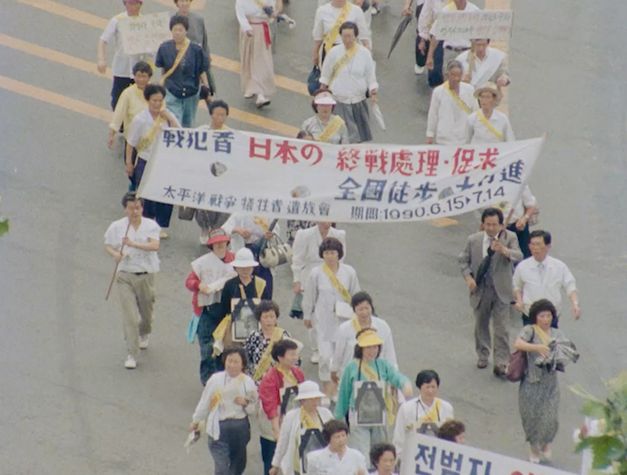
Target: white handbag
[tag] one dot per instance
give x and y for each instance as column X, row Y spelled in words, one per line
column 275, row 252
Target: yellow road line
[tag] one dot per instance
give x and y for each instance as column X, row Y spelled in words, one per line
column 89, row 67
column 94, row 21
column 443, row 222
column 196, row 4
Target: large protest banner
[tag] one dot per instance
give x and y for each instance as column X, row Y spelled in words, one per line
column 144, row 33
column 235, row 171
column 486, row 24
column 427, row 455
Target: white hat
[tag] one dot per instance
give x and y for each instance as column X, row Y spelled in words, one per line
column 309, row 390
column 244, row 258
column 325, row 99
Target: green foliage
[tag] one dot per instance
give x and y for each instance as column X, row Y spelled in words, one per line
column 4, row 226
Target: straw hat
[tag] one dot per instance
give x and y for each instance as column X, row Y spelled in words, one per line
column 244, row 258
column 309, row 390
column 369, row 338
column 489, row 87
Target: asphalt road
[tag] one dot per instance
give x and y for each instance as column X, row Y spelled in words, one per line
column 68, row 406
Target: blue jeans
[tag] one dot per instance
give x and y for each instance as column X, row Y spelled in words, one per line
column 184, row 109
column 267, row 452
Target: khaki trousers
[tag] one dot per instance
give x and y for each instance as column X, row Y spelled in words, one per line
column 492, row 308
column 137, row 296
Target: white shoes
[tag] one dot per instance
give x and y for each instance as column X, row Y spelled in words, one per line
column 204, row 237
column 163, row 234
column 418, row 69
column 261, row 101
column 315, row 357
column 130, row 362
column 143, row 342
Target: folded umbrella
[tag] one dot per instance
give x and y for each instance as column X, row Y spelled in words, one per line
column 399, row 31
column 378, row 115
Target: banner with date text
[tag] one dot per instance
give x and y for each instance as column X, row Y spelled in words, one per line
column 234, row 171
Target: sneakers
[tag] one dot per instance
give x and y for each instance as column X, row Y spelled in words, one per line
column 143, row 342
column 204, row 237
column 315, row 357
column 418, row 69
column 130, row 362
column 262, row 101
column 163, row 234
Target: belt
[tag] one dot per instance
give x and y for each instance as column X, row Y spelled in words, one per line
column 457, row 49
column 139, row 273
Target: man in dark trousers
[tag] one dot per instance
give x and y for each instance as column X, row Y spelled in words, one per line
column 487, row 266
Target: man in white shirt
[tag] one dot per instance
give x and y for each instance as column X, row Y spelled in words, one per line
column 133, row 243
column 336, row 458
column 306, row 256
column 451, row 103
column 424, row 413
column 426, row 14
column 543, row 277
column 483, row 64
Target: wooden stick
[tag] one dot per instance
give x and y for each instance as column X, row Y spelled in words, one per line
column 115, row 271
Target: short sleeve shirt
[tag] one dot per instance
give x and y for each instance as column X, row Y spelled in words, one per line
column 135, row 260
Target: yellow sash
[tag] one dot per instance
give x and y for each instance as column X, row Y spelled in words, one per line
column 289, row 379
column 544, row 337
column 332, row 34
column 356, row 325
column 308, row 422
column 337, row 285
column 431, row 417
column 458, row 100
column 147, row 139
column 179, row 57
column 266, row 359
column 389, row 393
column 343, row 61
column 262, row 223
column 332, row 128
column 215, row 400
column 484, row 120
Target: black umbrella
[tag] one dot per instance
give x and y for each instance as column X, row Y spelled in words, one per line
column 399, row 31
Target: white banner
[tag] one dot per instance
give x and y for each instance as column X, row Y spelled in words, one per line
column 485, row 24
column 425, row 455
column 235, row 171
column 144, row 33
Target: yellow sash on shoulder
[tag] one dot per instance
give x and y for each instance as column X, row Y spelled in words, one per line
column 484, row 120
column 458, row 100
column 333, row 33
column 266, row 359
column 332, row 128
column 356, row 325
column 343, row 61
column 391, row 400
column 337, row 285
column 147, row 139
column 179, row 57
column 433, row 416
column 544, row 337
column 289, row 379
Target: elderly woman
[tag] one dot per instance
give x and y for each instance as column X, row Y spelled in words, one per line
column 140, row 143
column 349, row 73
column 325, row 126
column 184, row 66
column 539, row 393
column 206, row 280
column 255, row 47
column 227, row 400
column 329, row 284
column 300, row 427
column 367, row 366
column 383, row 459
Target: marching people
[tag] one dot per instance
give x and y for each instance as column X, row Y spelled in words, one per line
column 255, row 48
column 364, row 317
column 226, row 402
column 325, row 126
column 306, row 256
column 544, row 277
column 336, row 457
column 185, row 69
column 368, row 366
column 140, row 143
column 277, row 391
column 451, row 103
column 426, row 13
column 383, row 459
column 424, row 413
column 329, row 289
column 483, row 64
column 301, row 430
column 486, row 265
column 133, row 242
column 122, row 63
column 539, row 394
column 349, row 73
column 206, row 280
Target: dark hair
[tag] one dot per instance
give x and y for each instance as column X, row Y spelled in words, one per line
column 333, row 427
column 545, row 235
column 451, row 429
column 426, row 376
column 218, row 103
column 492, row 212
column 542, row 305
column 281, row 347
column 349, row 25
column 152, row 89
column 331, row 244
column 266, row 306
column 302, row 134
column 314, row 106
column 142, row 67
column 230, row 350
column 131, row 196
column 359, row 351
column 361, row 297
column 179, row 20
column 377, row 451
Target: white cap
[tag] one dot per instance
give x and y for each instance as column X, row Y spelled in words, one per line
column 324, row 99
column 244, row 258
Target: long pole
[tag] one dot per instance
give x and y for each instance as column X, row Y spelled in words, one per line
column 115, row 271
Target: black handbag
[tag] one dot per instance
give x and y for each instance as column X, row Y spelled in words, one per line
column 313, row 80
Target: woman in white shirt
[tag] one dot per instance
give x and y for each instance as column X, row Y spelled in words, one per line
column 227, row 400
